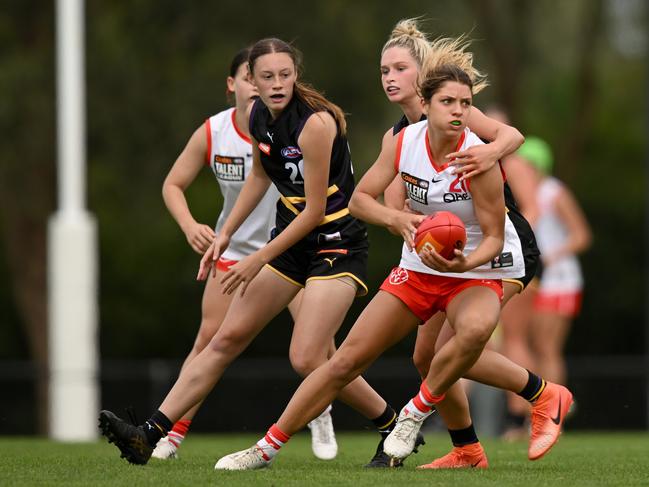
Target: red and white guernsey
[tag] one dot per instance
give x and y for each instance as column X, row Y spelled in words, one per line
column 229, row 155
column 564, row 275
column 432, row 187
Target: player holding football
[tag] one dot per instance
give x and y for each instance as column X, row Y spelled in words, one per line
column 466, row 287
column 401, row 60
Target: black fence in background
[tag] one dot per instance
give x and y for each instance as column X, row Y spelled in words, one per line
column 610, row 391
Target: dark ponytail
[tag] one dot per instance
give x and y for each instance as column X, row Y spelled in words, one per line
column 239, row 58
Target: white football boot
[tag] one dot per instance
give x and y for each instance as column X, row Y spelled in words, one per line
column 402, row 440
column 165, row 450
column 323, row 438
column 250, row 459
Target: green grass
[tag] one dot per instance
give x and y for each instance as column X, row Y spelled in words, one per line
column 577, row 460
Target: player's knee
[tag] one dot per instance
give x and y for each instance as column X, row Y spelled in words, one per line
column 228, row 344
column 474, row 333
column 304, row 363
column 343, row 368
column 202, row 340
column 422, row 362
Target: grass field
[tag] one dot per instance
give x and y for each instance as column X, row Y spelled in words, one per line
column 577, row 460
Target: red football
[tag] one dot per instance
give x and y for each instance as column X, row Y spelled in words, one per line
column 443, row 231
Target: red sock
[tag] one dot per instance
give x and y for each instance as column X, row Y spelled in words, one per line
column 178, row 432
column 425, row 400
column 272, row 442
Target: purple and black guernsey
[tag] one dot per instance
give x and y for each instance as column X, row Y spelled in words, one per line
column 282, row 160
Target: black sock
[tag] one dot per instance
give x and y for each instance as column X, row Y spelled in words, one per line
column 533, row 388
column 385, row 423
column 157, row 426
column 465, row 436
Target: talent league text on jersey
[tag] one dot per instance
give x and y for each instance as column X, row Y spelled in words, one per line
column 228, row 168
column 281, row 158
column 229, row 155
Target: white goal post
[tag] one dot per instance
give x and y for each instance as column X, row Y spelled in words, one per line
column 72, row 249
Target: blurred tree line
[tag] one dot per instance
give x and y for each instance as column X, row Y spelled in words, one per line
column 574, row 73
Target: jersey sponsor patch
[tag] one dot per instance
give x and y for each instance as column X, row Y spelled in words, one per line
column 229, row 168
column 417, row 188
column 291, row 152
column 398, row 276
column 506, row 259
column 265, row 148
column 329, row 237
column 457, row 191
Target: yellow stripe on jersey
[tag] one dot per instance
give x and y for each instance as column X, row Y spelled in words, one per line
column 289, row 205
column 289, row 202
column 335, row 216
column 301, row 199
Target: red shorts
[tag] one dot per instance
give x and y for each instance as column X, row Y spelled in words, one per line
column 426, row 294
column 566, row 304
column 225, row 264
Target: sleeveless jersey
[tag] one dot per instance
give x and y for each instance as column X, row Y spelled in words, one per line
column 282, row 160
column 523, row 228
column 434, row 188
column 403, row 123
column 229, row 155
column 564, row 275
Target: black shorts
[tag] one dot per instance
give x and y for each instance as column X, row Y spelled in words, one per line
column 531, row 254
column 532, row 265
column 300, row 265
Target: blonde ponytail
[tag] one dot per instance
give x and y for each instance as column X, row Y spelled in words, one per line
column 431, row 55
column 406, row 34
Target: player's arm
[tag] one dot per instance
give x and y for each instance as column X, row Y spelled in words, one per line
column 364, row 203
column 503, row 139
column 180, row 177
column 394, row 195
column 489, row 205
column 579, row 234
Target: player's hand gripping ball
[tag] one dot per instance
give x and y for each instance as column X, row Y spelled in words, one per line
column 442, row 231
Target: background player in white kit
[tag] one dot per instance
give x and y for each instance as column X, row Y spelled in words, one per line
column 562, row 233
column 223, row 143
column 537, row 334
